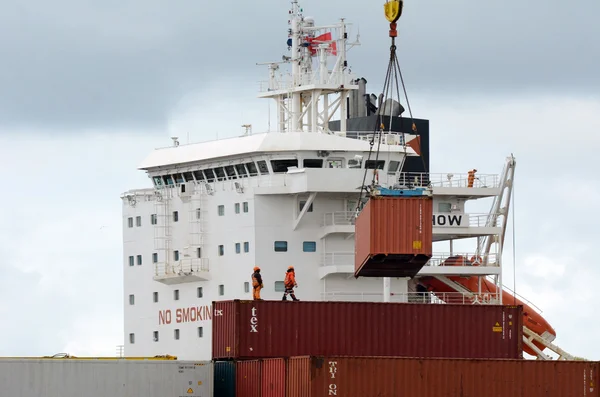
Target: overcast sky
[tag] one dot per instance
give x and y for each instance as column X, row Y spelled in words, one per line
column 87, row 91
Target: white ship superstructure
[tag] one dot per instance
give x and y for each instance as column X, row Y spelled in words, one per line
column 219, row 208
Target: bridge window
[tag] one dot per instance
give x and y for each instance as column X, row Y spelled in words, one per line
column 158, row 182
column 230, row 172
column 200, row 332
column 176, row 255
column 138, row 221
column 132, row 338
column 199, row 252
column 210, row 175
column 252, row 168
column 237, row 208
column 280, row 246
column 279, row 286
column 246, row 246
column 155, row 297
column 238, row 248
column 335, row 163
column 221, row 289
column 309, row 246
column 372, row 164
column 220, row 173
column 393, row 167
column 131, row 299
column 246, row 287
column 221, row 210
column 175, row 216
column 155, row 336
column 199, row 175
column 139, row 260
column 221, row 250
column 130, row 222
column 168, row 180
column 155, row 257
column 241, row 170
column 313, row 163
column 199, row 292
column 153, row 219
column 131, row 261
column 353, row 163
column 179, row 178
column 176, row 295
column 280, row 166
column 245, row 205
column 176, row 334
column 262, row 167
column 188, row 177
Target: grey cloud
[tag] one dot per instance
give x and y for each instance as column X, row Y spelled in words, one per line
column 69, row 64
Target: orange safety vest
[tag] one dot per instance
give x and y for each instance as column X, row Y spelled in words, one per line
column 290, row 279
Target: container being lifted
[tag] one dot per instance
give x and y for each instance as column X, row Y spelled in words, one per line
column 393, row 233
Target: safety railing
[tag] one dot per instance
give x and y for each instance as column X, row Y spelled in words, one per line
column 337, row 259
column 339, row 218
column 417, row 179
column 463, row 259
column 413, row 297
column 184, row 266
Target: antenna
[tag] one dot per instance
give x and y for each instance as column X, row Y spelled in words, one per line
column 248, row 128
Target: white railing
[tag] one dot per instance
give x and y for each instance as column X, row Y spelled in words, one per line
column 449, row 179
column 339, row 218
column 412, row 297
column 463, row 259
column 184, row 266
column 344, row 258
column 337, row 259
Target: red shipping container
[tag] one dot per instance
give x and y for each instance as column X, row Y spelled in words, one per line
column 273, row 377
column 262, row 329
column 393, row 236
column 392, row 377
column 248, row 378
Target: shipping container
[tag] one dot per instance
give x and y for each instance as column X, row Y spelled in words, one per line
column 224, row 378
column 248, row 378
column 393, row 236
column 393, row 377
column 268, row 329
column 273, row 377
column 102, row 378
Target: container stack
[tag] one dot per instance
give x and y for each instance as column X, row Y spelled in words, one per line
column 352, row 349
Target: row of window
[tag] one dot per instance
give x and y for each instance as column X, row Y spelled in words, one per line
column 251, row 168
column 278, row 246
column 278, row 286
column 238, row 208
column 199, row 294
column 176, row 335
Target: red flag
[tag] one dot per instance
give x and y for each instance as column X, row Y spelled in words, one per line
column 324, row 38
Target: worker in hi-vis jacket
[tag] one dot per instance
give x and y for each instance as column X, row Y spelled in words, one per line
column 290, row 284
column 257, row 284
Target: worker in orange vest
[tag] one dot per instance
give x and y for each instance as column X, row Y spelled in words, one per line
column 290, row 284
column 257, row 284
column 471, row 177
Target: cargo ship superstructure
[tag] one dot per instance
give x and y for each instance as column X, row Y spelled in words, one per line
column 289, row 197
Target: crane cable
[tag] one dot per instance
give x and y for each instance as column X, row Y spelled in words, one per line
column 393, row 11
